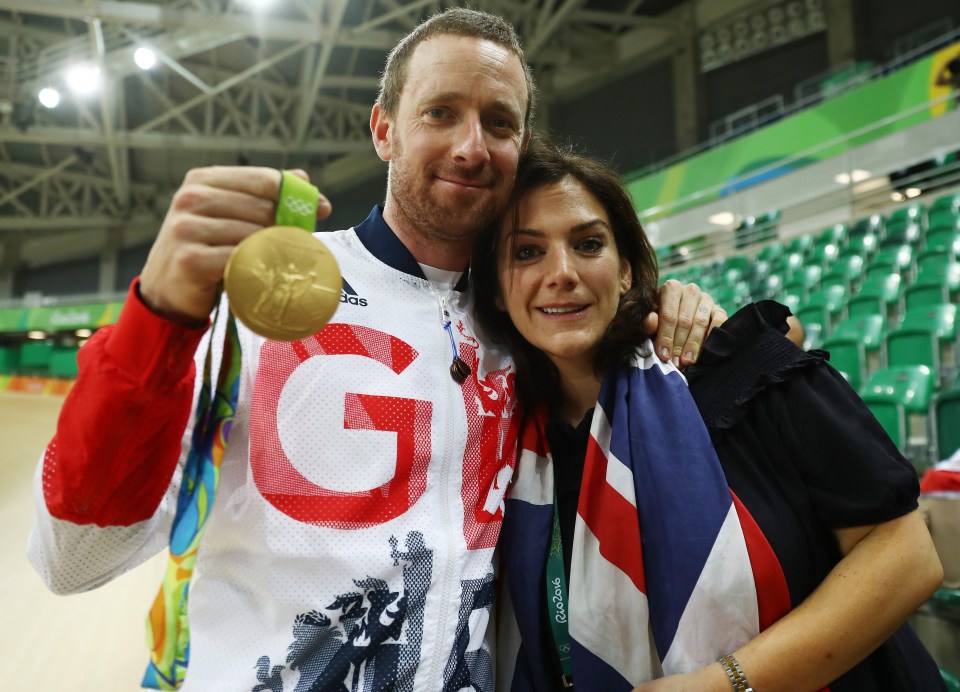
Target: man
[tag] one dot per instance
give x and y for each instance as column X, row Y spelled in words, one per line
column 361, row 488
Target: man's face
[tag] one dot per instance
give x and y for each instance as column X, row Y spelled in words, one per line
column 455, row 140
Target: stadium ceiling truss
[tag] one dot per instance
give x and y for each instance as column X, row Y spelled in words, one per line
column 291, row 84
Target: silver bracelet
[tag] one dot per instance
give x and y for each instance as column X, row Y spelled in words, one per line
column 731, row 666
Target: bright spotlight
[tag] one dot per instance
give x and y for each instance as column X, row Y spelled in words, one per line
column 84, row 79
column 49, row 97
column 145, row 58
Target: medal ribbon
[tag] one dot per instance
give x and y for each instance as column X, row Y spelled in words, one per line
column 168, row 631
column 557, row 603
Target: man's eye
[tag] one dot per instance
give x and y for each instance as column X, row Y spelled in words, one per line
column 436, row 113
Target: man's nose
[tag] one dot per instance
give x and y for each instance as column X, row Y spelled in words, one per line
column 471, row 146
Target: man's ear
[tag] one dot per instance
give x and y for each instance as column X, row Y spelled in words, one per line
column 380, row 130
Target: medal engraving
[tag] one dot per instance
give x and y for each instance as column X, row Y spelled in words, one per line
column 283, row 283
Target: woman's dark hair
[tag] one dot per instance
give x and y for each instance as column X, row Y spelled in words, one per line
column 545, row 163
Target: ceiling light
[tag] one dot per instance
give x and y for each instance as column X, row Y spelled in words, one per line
column 145, row 58
column 36, row 335
column 84, row 79
column 49, row 97
column 896, row 197
column 723, row 218
column 83, row 333
column 854, row 176
column 912, row 192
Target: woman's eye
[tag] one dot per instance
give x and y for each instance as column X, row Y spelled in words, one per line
column 524, row 253
column 591, row 245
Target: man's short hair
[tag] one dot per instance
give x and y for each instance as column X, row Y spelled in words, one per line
column 456, row 21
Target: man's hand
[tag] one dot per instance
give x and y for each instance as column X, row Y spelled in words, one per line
column 686, row 317
column 209, row 215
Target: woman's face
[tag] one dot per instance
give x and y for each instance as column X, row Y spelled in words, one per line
column 561, row 278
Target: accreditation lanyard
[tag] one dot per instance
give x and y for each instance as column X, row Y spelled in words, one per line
column 557, row 599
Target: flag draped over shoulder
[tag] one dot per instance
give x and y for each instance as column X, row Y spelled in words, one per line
column 668, row 572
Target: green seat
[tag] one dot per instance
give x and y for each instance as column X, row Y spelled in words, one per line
column 894, row 395
column 863, row 245
column 737, row 263
column 804, row 281
column 943, row 218
column 756, row 229
column 871, row 225
column 835, row 235
column 854, row 347
column 951, row 681
column 825, row 255
column 900, row 232
column 942, row 237
column 925, row 336
column 771, row 252
column 934, row 286
column 914, row 213
column 846, row 271
column 767, row 288
column 823, row 307
column 877, row 295
column 791, row 300
column 35, row 357
column 788, row 264
column 950, row 201
column 890, row 259
column 802, row 244
column 946, row 423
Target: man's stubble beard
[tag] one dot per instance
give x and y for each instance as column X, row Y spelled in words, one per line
column 430, row 219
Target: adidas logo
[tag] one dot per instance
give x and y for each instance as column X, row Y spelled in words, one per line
column 350, row 297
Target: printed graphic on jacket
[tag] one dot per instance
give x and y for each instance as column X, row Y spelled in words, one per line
column 369, row 640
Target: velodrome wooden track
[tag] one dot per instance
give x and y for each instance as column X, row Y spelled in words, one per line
column 91, row 642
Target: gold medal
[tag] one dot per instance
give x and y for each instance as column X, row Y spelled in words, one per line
column 283, row 283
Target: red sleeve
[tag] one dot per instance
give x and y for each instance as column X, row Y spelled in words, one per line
column 118, row 437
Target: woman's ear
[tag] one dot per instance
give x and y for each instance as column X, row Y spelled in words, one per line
column 626, row 276
column 498, row 301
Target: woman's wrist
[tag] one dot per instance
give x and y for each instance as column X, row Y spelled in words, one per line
column 735, row 674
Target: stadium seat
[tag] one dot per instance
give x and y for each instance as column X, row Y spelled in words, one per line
column 925, row 336
column 942, row 236
column 945, row 421
column 951, row 681
column 898, row 397
column 771, row 252
column 950, row 202
column 912, row 214
column 824, row 255
column 823, row 307
column 805, row 280
column 943, row 218
column 835, row 235
column 891, row 259
column 900, row 232
column 871, row 225
column 938, row 285
column 788, row 264
column 854, row 347
column 863, row 245
column 802, row 244
column 877, row 295
column 846, row 271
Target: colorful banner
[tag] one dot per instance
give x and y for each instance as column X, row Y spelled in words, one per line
column 35, row 385
column 59, row 318
column 772, row 150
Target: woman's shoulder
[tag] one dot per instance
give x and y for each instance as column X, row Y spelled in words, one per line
column 742, row 358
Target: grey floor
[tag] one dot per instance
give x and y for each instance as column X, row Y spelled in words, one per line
column 92, row 642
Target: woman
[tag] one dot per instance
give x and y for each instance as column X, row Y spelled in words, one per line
column 790, row 558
